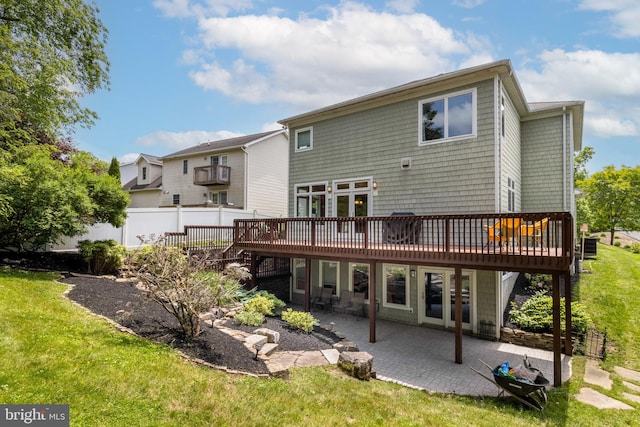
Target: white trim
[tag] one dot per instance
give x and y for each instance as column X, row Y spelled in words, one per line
column 445, row 98
column 295, row 139
column 294, row 278
column 407, row 304
column 320, row 279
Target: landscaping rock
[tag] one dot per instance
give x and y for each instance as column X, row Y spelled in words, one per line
column 357, row 364
column 343, row 346
column 272, row 336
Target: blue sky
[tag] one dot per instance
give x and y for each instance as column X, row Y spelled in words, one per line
column 185, row 72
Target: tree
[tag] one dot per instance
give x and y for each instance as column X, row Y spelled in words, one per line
column 51, row 54
column 44, row 199
column 114, row 169
column 613, row 197
column 580, row 174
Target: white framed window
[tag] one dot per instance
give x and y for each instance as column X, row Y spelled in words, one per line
column 311, row 200
column 176, row 199
column 220, row 159
column 395, row 286
column 218, row 197
column 511, row 195
column 298, row 267
column 144, row 173
column 359, row 278
column 185, row 167
column 448, row 117
column 329, row 274
column 304, row 139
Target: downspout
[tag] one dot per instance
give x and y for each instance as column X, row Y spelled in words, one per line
column 246, row 178
column 565, row 160
column 498, row 144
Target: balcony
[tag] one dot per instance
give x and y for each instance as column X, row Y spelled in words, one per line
column 211, row 175
column 504, row 242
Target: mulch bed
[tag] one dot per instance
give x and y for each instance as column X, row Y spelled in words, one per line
column 127, row 305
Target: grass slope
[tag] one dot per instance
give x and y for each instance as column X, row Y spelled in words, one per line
column 55, row 352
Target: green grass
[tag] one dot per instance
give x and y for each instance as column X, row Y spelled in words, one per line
column 52, row 351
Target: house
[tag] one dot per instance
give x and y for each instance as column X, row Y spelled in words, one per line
column 461, row 152
column 146, row 187
column 248, row 172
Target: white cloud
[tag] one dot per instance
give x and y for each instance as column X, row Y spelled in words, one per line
column 603, row 80
column 311, row 62
column 402, row 6
column 190, row 8
column 468, row 4
column 128, row 158
column 176, row 141
column 625, row 15
column 266, row 127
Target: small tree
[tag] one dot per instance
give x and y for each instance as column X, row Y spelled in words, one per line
column 182, row 285
column 114, row 169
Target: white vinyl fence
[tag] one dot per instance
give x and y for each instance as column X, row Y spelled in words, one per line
column 147, row 221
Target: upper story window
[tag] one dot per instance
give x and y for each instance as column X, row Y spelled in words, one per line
column 511, row 195
column 448, row 117
column 219, row 160
column 311, row 200
column 185, row 167
column 304, row 139
column 144, row 173
column 176, row 199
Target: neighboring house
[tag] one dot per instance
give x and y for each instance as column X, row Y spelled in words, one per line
column 146, row 188
column 128, row 171
column 248, row 172
column 465, row 142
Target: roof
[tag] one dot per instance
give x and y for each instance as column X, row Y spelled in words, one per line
column 225, row 144
column 132, row 185
column 151, row 159
column 445, row 81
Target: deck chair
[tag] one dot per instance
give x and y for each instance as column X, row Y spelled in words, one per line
column 504, row 231
column 357, row 304
column 533, row 233
column 324, row 300
column 343, row 302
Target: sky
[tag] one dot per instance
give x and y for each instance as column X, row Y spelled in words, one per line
column 184, row 72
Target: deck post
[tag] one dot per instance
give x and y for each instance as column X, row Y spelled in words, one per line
column 557, row 339
column 568, row 344
column 307, row 285
column 372, row 301
column 458, row 311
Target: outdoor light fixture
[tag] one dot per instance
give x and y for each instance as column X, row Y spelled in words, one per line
column 375, row 185
column 413, row 273
column 329, row 189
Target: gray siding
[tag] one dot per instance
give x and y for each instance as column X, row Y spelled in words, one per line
column 542, row 165
column 510, row 155
column 449, row 177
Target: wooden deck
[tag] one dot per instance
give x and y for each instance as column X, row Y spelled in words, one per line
column 450, row 240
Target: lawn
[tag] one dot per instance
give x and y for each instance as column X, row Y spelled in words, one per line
column 55, row 352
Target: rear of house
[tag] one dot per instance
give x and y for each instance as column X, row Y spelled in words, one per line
column 465, row 142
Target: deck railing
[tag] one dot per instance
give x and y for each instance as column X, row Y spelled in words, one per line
column 201, row 237
column 519, row 241
column 211, row 175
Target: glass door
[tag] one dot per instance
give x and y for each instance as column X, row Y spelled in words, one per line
column 433, row 297
column 438, row 299
column 352, row 200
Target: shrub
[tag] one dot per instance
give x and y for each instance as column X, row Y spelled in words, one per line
column 244, row 296
column 635, row 248
column 260, row 304
column 539, row 282
column 299, row 320
column 248, row 317
column 617, row 243
column 536, row 315
column 183, row 286
column 102, row 256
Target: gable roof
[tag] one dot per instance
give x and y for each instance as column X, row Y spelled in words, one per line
column 151, row 159
column 225, row 144
column 446, row 81
column 132, row 185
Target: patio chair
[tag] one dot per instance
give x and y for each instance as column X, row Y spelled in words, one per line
column 357, row 305
column 533, row 233
column 504, row 231
column 343, row 302
column 324, row 300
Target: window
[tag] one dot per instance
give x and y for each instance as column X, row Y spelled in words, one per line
column 219, row 160
column 144, row 173
column 511, row 195
column 176, row 199
column 360, row 279
column 299, row 274
column 218, row 197
column 304, row 139
column 185, row 167
column 311, row 200
column 329, row 275
column 395, row 292
column 449, row 117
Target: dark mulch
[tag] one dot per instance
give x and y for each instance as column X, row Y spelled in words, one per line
column 129, row 306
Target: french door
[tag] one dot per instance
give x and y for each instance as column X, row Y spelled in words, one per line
column 437, row 301
column 352, row 199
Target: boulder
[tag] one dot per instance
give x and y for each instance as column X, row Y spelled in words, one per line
column 357, row 364
column 343, row 346
column 272, row 336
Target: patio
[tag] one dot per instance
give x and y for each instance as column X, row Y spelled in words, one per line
column 421, row 357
